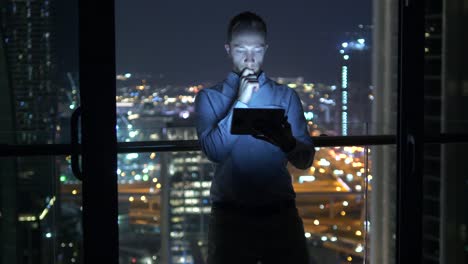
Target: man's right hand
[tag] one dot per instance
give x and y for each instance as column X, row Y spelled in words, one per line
column 247, row 86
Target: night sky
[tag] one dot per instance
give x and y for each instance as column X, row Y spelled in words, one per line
column 183, row 40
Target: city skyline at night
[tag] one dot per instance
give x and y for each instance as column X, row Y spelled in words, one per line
column 102, row 105
column 158, row 77
column 185, row 45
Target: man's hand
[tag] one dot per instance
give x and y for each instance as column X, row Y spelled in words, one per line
column 279, row 135
column 247, row 86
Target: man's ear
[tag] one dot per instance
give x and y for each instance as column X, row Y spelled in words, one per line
column 266, row 47
column 228, row 49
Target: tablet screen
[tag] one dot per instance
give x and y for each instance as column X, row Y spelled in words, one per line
column 245, row 119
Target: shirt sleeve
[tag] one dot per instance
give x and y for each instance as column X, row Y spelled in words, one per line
column 214, row 135
column 303, row 153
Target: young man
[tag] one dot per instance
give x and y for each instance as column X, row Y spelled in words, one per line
column 254, row 217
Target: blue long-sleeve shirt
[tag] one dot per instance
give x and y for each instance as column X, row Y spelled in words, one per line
column 250, row 170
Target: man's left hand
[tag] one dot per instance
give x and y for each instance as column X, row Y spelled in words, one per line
column 277, row 134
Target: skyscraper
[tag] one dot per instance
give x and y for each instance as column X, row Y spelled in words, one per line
column 28, row 41
column 355, row 82
column 190, row 176
column 29, row 183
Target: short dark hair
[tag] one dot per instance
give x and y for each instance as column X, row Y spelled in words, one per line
column 246, row 22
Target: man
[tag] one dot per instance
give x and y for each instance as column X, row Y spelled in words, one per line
column 254, row 218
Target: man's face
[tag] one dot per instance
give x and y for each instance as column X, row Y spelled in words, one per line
column 247, row 50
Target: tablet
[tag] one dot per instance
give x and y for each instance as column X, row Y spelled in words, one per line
column 245, row 119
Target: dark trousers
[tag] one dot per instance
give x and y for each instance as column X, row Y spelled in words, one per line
column 251, row 236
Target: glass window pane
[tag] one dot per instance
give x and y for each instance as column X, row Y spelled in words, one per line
column 38, row 71
column 344, row 70
column 164, row 203
column 40, row 206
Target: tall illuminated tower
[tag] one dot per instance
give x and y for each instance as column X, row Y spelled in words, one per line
column 189, row 200
column 355, row 82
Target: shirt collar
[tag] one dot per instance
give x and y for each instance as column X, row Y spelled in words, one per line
column 233, row 81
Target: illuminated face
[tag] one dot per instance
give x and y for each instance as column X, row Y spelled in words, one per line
column 247, row 50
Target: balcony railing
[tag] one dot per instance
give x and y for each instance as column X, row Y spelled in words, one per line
column 9, row 150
